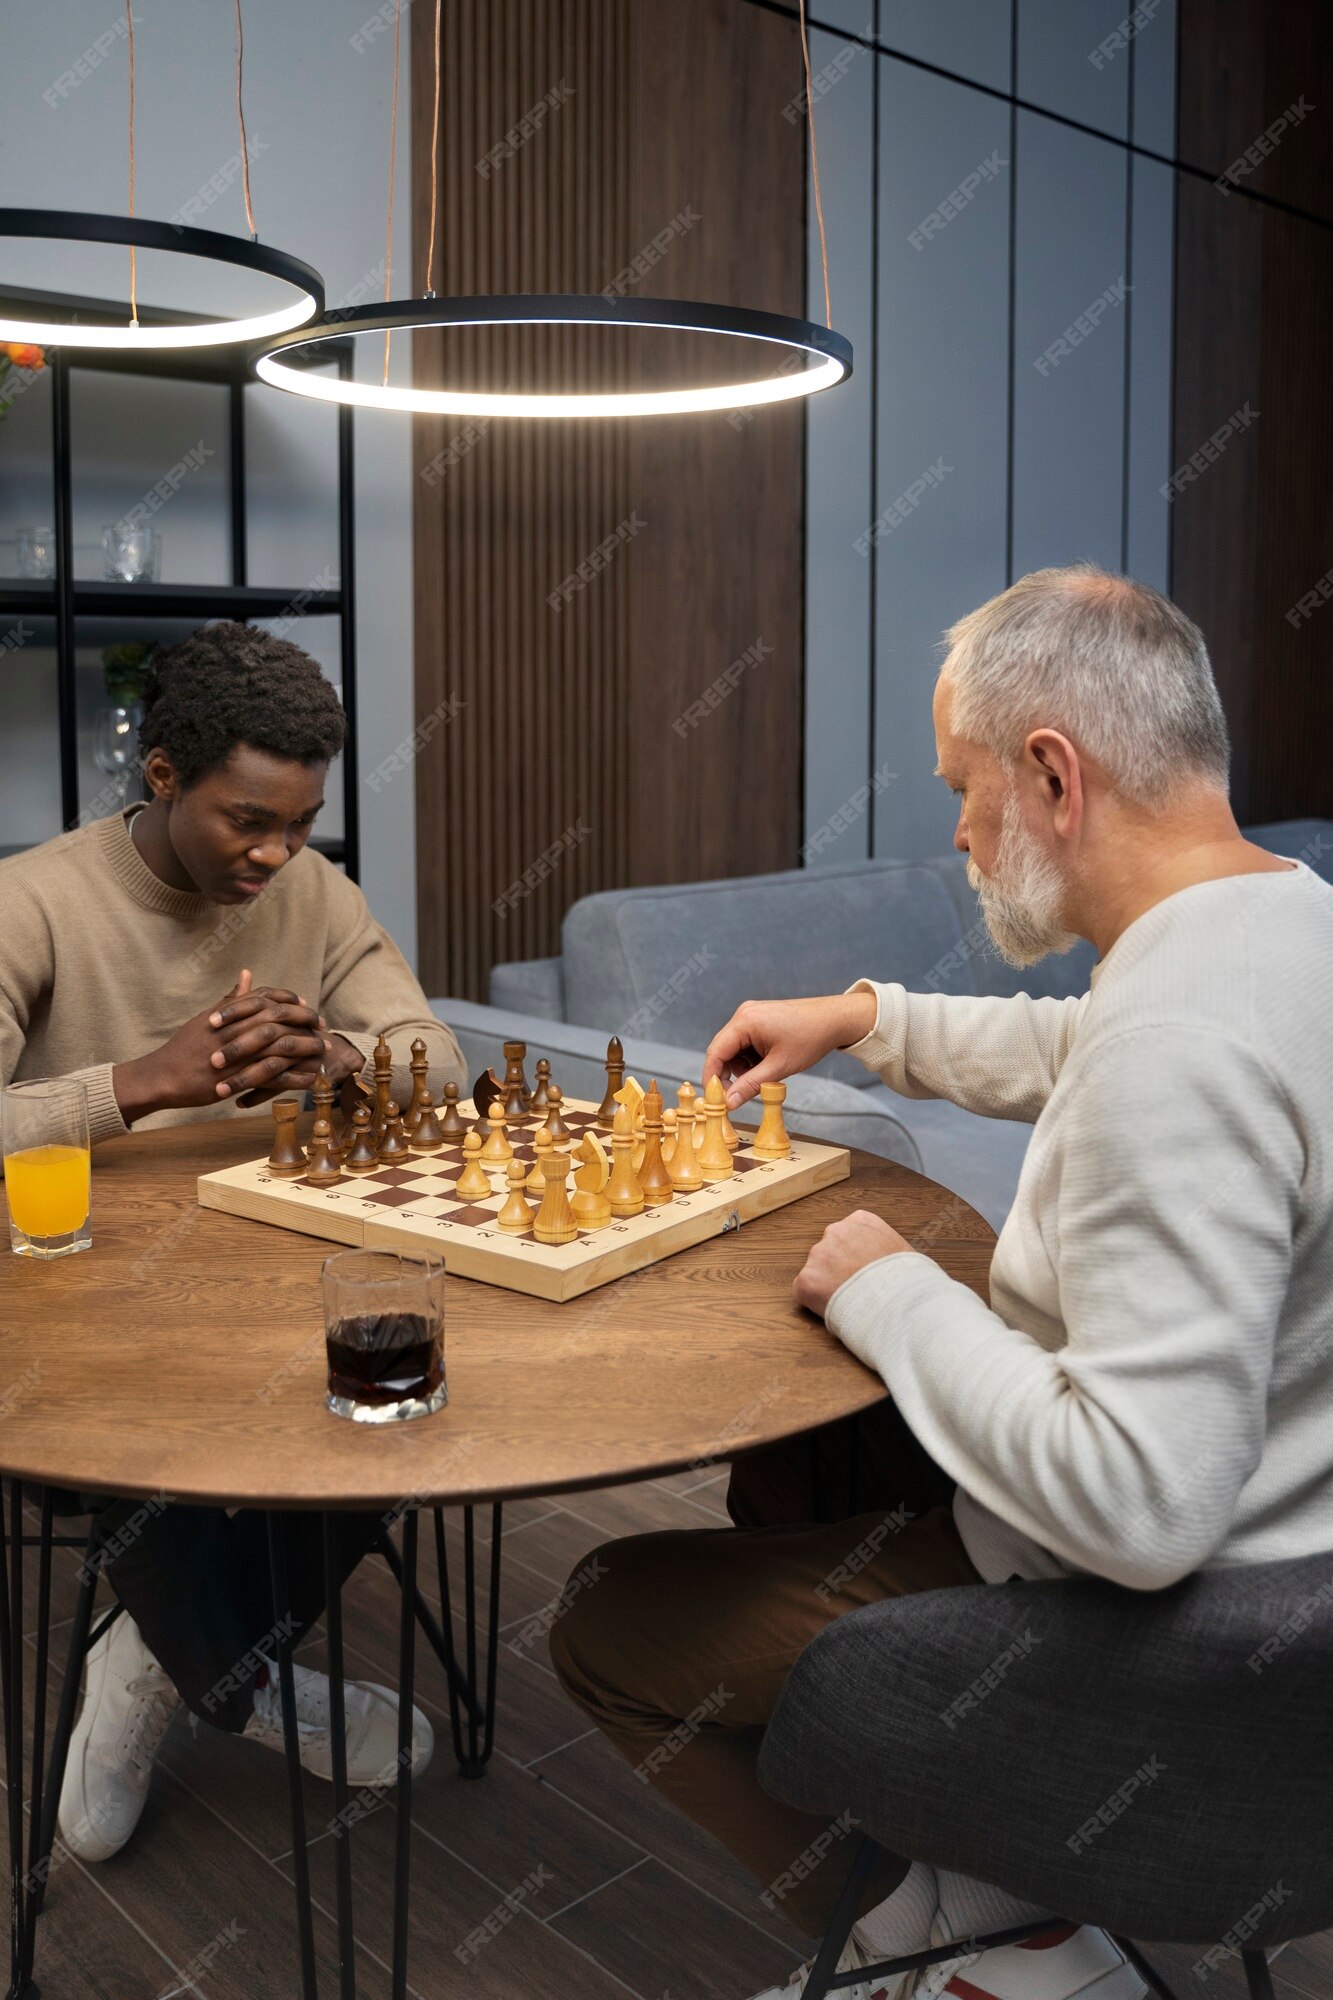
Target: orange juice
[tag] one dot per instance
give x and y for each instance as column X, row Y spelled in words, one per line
column 48, row 1189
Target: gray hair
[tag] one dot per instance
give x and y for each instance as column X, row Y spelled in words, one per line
column 1111, row 663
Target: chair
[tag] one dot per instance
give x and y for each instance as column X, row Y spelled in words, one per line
column 1158, row 1764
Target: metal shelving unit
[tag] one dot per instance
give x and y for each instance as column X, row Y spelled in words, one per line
column 68, row 599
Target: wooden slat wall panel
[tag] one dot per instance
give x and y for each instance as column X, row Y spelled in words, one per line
column 565, row 730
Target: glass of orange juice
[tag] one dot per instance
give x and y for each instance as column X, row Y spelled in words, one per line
column 47, row 1167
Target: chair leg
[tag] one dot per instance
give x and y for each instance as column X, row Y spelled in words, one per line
column 840, row 1924
column 1258, row 1975
column 1148, row 1973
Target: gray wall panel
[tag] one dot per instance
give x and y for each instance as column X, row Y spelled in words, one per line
column 837, row 630
column 857, row 17
column 1155, row 81
column 1148, row 543
column 943, row 359
column 970, row 37
column 1064, row 62
column 1068, row 406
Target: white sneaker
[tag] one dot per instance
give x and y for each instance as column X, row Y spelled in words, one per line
column 1082, row 1964
column 371, row 1714
column 128, row 1701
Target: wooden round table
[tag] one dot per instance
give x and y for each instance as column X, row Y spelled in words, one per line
column 183, row 1356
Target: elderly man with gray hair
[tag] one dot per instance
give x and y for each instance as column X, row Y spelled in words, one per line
column 1148, row 1391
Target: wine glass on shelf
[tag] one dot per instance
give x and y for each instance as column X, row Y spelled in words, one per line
column 116, row 747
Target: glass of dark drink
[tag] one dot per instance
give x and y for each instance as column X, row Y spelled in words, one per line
column 384, row 1327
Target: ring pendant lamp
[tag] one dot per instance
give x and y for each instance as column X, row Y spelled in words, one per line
column 823, row 357
column 137, row 233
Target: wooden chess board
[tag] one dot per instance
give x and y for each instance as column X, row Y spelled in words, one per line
column 413, row 1205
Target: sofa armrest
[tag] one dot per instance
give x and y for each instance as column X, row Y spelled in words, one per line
column 532, row 986
column 817, row 1106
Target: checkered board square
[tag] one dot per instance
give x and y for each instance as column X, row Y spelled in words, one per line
column 414, row 1204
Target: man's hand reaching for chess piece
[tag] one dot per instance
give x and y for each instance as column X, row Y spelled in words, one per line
column 257, row 1041
column 766, row 1041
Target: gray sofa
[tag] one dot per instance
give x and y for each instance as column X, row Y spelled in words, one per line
column 664, row 967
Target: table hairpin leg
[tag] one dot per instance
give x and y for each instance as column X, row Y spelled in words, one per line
column 440, row 1646
column 345, row 1813
column 28, row 1884
column 480, row 1716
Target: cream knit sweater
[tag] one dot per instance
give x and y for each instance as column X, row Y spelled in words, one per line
column 1151, row 1389
column 101, row 962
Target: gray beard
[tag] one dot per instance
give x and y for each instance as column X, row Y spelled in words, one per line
column 1021, row 903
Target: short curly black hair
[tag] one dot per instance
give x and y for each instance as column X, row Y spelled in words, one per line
column 228, row 684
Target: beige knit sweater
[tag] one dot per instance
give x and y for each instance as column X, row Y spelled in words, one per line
column 100, row 962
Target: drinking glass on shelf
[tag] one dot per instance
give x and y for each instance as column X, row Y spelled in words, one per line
column 116, row 747
column 47, row 1167
column 37, row 551
column 384, row 1328
column 133, row 552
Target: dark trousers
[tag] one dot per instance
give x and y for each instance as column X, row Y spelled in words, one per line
column 198, row 1584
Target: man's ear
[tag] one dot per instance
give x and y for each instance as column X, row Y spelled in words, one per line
column 160, row 775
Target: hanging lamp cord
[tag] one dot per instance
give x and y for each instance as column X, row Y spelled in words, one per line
column 434, row 161
column 393, row 161
column 134, row 276
column 240, row 119
column 814, row 166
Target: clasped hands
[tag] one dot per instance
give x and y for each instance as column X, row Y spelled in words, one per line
column 766, row 1041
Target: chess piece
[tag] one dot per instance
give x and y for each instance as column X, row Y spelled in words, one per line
column 453, row 1124
column 518, row 1212
column 729, row 1132
column 382, row 1058
column 654, row 1179
column 428, row 1134
column 555, row 1123
column 592, row 1210
column 420, row 1068
column 473, row 1180
column 623, row 1192
column 323, row 1095
column 497, row 1149
column 771, row 1141
column 361, row 1093
column 684, row 1168
column 323, row 1159
column 615, row 1077
column 360, row 1157
column 669, row 1134
column 484, row 1091
column 554, row 1221
column 544, row 1145
column 393, row 1146
column 515, row 1086
column 631, row 1095
column 287, row 1159
column 538, row 1100
column 713, row 1157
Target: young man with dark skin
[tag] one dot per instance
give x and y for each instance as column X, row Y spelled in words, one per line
column 191, row 958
